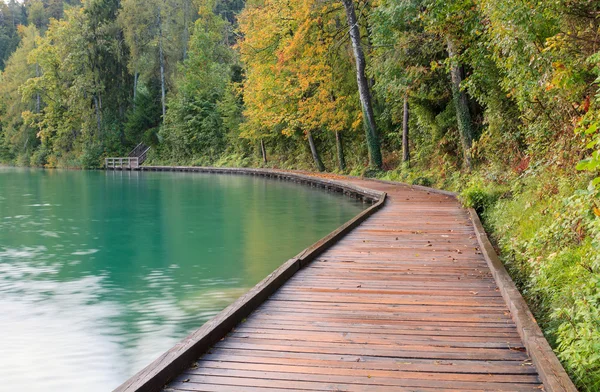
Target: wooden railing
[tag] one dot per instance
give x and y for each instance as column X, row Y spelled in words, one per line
column 135, row 159
column 122, row 163
column 140, row 151
column 142, row 156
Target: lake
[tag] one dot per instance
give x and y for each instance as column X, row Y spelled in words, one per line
column 101, row 272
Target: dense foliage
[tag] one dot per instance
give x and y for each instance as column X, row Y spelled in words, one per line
column 496, row 99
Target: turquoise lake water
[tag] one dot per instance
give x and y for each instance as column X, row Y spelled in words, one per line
column 101, row 272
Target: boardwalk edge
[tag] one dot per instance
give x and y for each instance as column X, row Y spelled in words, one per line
column 170, row 364
column 412, row 186
column 551, row 372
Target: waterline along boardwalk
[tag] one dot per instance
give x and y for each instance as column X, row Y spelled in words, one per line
column 409, row 296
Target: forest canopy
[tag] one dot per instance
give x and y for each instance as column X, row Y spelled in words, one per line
column 496, row 99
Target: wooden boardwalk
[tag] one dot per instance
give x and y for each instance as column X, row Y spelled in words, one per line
column 404, row 302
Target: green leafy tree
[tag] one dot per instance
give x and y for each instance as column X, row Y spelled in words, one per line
column 83, row 72
column 19, row 138
column 12, row 14
column 194, row 125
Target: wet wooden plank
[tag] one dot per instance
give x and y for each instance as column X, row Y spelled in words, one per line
column 397, row 364
column 391, row 376
column 341, row 383
column 424, row 351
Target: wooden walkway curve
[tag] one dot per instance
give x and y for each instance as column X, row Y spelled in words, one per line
column 406, row 301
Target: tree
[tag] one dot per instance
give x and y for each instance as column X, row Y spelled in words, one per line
column 296, row 59
column 157, row 33
column 461, row 103
column 19, row 138
column 81, row 79
column 195, row 125
column 375, row 158
column 454, row 22
column 12, row 14
column 410, row 80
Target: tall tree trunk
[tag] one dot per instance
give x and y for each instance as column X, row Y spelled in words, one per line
column 315, row 153
column 38, row 99
column 263, row 151
column 135, row 86
column 461, row 104
column 340, row 151
column 161, row 56
column 405, row 146
column 373, row 145
column 186, row 33
column 98, row 120
column 369, row 30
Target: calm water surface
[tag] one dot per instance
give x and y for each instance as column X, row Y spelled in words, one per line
column 102, row 272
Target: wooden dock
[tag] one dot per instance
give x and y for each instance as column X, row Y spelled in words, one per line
column 409, row 296
column 133, row 161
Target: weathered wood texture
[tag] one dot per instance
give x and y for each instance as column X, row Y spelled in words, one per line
column 411, row 299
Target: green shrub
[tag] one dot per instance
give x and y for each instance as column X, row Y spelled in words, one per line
column 551, row 245
column 40, row 157
column 371, row 172
column 478, row 198
column 91, row 157
column 423, row 181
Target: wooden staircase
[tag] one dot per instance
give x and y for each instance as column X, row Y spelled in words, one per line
column 134, row 160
